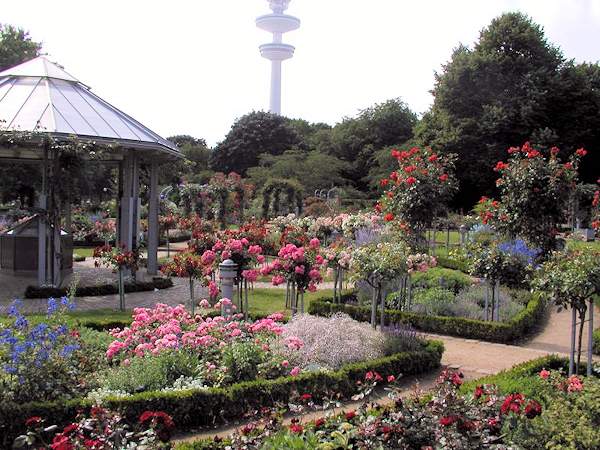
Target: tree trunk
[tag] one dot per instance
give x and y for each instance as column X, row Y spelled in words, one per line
column 582, row 313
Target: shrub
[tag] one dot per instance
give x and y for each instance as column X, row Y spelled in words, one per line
column 150, row 373
column 433, row 301
column 452, row 280
column 516, row 328
column 330, row 342
column 596, row 340
column 401, row 338
column 454, row 264
column 98, row 290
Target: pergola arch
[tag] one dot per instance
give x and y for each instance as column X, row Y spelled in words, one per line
column 42, row 109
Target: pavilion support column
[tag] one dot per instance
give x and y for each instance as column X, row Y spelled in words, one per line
column 129, row 208
column 42, row 224
column 153, row 220
column 126, row 204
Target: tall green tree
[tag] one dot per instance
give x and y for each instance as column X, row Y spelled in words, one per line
column 356, row 140
column 512, row 86
column 16, row 46
column 252, row 135
column 194, row 168
column 313, row 170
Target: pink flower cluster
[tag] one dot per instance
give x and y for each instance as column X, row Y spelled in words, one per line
column 301, row 265
column 164, row 327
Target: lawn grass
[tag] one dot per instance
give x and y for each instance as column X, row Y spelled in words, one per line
column 266, row 301
column 88, row 252
column 262, row 301
column 576, row 244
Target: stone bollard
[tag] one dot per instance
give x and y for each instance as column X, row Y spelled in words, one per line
column 227, row 273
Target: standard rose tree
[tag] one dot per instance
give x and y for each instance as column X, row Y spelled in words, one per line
column 418, row 191
column 535, row 187
column 120, row 259
column 572, row 279
column 379, row 263
column 300, row 267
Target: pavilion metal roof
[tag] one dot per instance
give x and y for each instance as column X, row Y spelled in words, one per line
column 39, row 95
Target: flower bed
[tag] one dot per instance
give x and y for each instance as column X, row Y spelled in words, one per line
column 207, row 407
column 504, row 332
column 198, row 370
column 451, row 415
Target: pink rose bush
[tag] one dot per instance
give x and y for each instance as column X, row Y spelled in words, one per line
column 166, row 328
column 298, row 265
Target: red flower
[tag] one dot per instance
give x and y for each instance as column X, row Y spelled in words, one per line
column 296, row 428
column 448, row 420
column 512, row 150
column 411, row 180
column 384, row 182
column 386, row 430
column 533, row 409
column 391, row 378
column 444, row 177
column 479, row 391
column 70, row 428
column 493, row 422
column 433, row 158
column 533, row 154
column 457, row 378
column 581, row 152
column 248, row 428
column 544, row 374
column 409, row 169
column 319, row 422
column 394, row 176
column 500, row 166
column 568, row 165
column 554, row 151
column 512, row 403
column 369, row 375
column 378, row 207
column 306, row 397
column 350, row 415
column 33, row 420
column 61, row 442
column 388, row 217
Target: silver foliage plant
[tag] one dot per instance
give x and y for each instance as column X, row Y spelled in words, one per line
column 330, row 342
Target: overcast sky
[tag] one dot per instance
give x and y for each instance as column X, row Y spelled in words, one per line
column 193, row 67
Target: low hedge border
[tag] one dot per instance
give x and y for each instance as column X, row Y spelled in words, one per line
column 449, row 263
column 197, row 408
column 98, row 290
column 596, row 338
column 503, row 332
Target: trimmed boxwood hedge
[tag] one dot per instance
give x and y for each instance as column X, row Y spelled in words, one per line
column 197, row 408
column 450, row 263
column 503, row 332
column 98, row 290
column 596, row 338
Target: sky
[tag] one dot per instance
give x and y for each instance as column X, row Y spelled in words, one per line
column 193, row 67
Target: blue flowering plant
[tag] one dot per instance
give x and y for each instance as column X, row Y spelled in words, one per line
column 39, row 360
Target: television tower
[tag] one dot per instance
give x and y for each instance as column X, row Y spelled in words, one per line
column 277, row 23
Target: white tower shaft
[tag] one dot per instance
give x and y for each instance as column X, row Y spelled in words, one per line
column 277, row 23
column 275, row 103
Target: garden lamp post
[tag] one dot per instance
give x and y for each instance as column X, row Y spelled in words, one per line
column 227, row 273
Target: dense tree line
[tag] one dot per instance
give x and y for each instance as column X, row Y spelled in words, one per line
column 511, row 86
